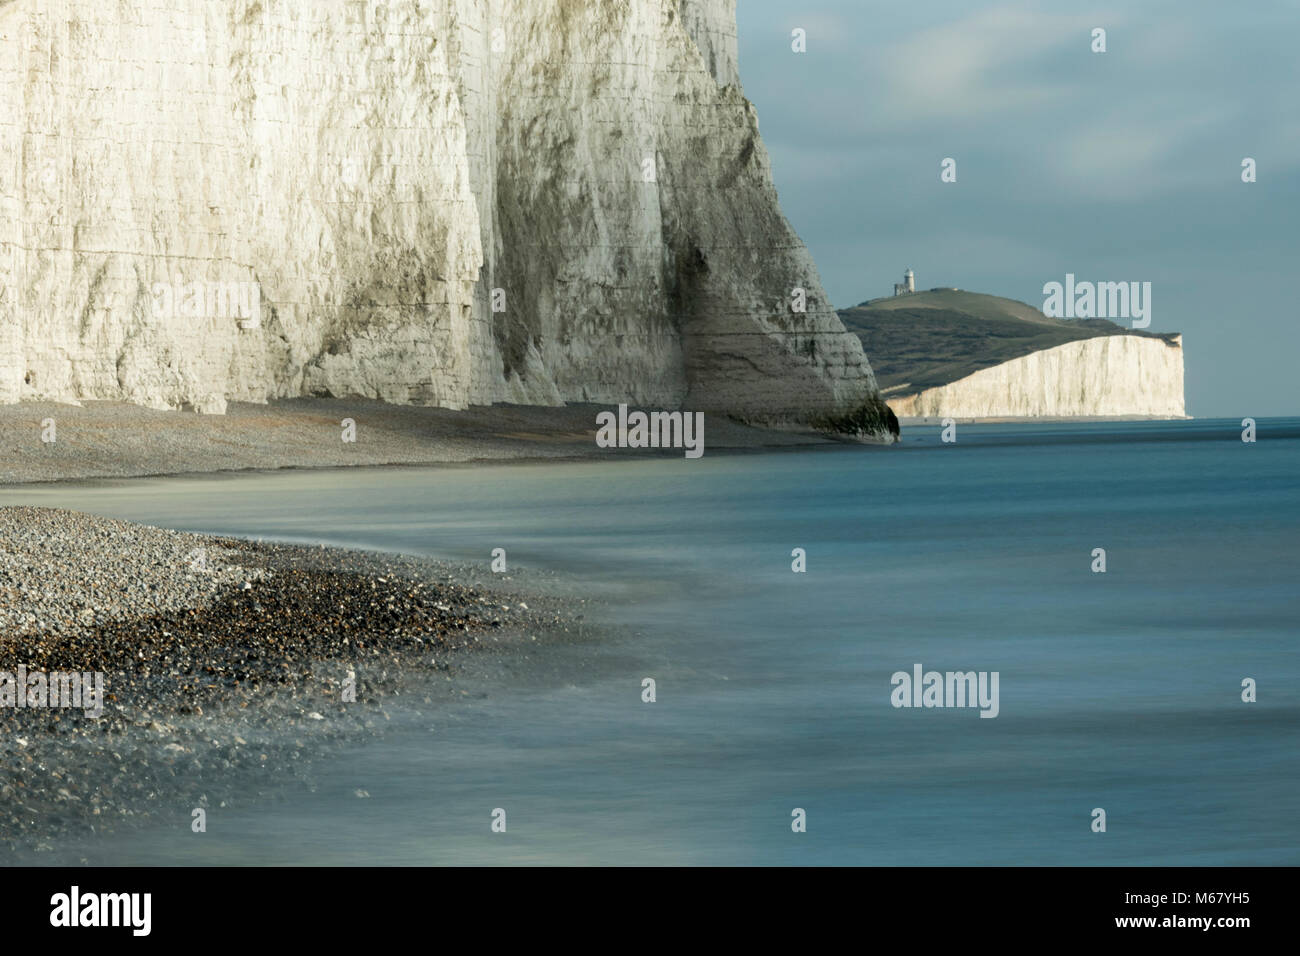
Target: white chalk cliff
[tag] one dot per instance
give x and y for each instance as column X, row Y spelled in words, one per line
column 444, row 202
column 1125, row 376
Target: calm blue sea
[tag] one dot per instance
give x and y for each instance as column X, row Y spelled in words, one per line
column 1119, row 691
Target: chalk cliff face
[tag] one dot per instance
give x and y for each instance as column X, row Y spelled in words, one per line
column 444, row 202
column 1110, row 376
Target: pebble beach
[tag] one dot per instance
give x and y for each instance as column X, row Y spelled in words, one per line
column 221, row 659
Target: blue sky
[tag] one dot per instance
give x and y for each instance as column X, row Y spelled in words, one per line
column 1123, row 165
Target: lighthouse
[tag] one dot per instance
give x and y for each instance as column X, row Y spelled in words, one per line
column 907, row 285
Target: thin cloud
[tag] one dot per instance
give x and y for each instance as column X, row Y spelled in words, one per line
column 1000, row 60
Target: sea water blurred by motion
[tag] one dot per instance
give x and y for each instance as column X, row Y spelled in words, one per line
column 1119, row 690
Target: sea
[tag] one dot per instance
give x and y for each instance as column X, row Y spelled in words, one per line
column 772, row 599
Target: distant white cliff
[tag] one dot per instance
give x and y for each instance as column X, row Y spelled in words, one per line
column 952, row 352
column 1122, row 376
column 444, row 202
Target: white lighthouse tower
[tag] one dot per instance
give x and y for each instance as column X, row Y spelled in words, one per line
column 907, row 285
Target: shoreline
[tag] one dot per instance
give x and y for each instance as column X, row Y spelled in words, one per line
column 622, row 455
column 225, row 679
column 106, row 440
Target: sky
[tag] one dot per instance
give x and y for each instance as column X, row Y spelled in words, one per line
column 1117, row 166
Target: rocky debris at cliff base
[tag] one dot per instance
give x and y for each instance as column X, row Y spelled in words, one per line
column 224, row 682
